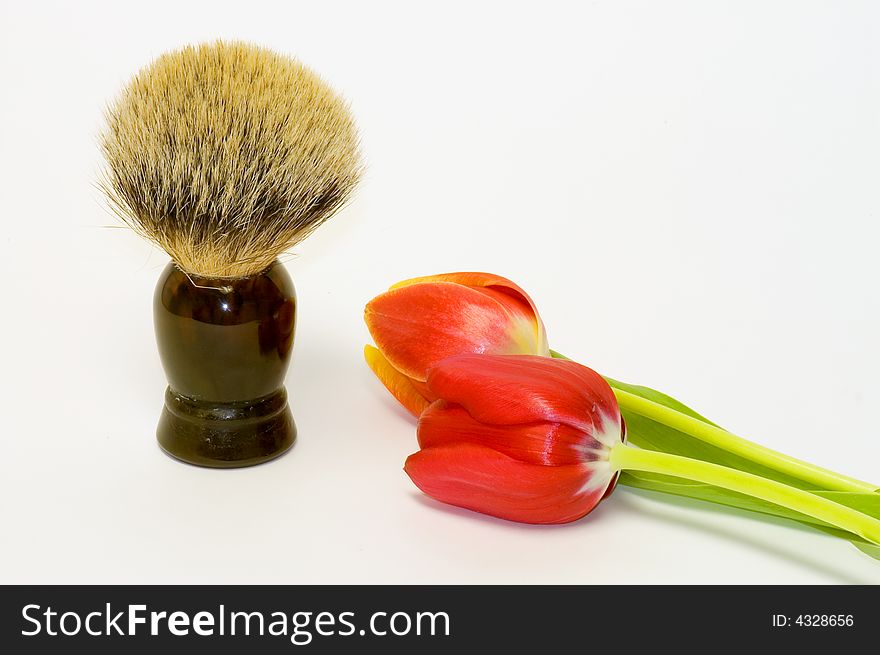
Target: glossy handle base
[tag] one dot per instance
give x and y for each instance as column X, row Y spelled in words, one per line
column 226, row 434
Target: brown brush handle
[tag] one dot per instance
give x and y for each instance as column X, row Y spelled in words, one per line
column 225, row 346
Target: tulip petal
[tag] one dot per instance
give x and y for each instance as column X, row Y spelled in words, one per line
column 514, row 389
column 483, row 480
column 545, row 443
column 419, row 324
column 505, row 291
column 400, row 386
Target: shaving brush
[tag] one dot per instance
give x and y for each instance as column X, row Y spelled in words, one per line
column 226, row 155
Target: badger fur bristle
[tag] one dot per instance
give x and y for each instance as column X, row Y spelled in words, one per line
column 226, row 155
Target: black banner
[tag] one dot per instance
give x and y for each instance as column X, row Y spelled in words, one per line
column 287, row 619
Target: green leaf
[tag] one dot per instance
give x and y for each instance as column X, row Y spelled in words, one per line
column 658, row 397
column 649, row 434
column 868, row 549
column 867, row 502
column 646, row 433
column 712, row 494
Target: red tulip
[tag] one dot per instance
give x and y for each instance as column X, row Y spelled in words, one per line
column 518, row 437
column 421, row 321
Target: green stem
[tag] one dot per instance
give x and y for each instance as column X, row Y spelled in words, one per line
column 625, row 457
column 716, row 436
column 810, row 473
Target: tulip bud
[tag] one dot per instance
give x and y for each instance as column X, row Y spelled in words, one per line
column 421, row 321
column 518, row 437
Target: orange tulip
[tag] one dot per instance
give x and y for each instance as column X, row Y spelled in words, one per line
column 421, row 321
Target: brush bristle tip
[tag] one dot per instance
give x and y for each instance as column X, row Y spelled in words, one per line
column 226, row 155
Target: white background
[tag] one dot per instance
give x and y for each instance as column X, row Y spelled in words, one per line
column 689, row 191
